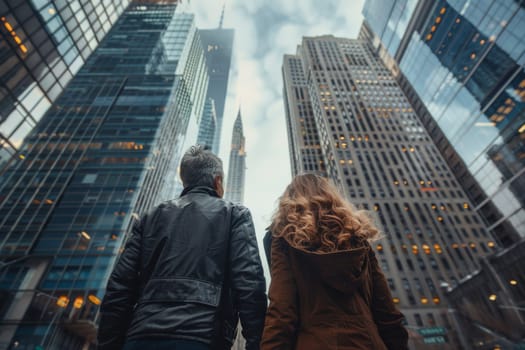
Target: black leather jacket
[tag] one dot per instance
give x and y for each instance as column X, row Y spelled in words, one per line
column 189, row 270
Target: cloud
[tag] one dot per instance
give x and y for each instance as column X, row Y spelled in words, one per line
column 268, row 168
column 207, row 13
column 248, row 8
column 289, row 37
column 253, row 88
column 246, row 38
column 271, row 65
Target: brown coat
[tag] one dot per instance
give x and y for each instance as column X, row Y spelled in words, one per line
column 323, row 301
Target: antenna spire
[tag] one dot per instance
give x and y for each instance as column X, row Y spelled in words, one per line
column 222, row 15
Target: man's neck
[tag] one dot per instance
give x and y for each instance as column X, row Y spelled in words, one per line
column 201, row 189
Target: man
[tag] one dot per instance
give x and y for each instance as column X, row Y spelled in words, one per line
column 189, row 270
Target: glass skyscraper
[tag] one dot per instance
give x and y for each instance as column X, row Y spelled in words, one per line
column 217, row 45
column 349, row 120
column 462, row 65
column 235, row 177
column 43, row 44
column 105, row 152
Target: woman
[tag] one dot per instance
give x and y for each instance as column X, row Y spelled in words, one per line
column 327, row 290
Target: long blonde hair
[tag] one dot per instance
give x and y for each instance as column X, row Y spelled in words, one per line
column 314, row 216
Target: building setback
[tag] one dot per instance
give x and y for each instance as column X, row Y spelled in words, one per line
column 43, row 44
column 234, row 190
column 105, row 152
column 349, row 119
column 461, row 65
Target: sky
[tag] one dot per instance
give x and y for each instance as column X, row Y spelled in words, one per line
column 266, row 30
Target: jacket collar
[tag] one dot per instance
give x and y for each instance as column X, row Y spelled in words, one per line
column 199, row 189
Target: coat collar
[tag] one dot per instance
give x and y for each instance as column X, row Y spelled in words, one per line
column 199, row 189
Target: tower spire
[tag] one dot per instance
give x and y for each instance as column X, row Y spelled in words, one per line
column 222, row 15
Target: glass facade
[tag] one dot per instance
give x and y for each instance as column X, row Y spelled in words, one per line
column 389, row 19
column 348, row 119
column 492, row 298
column 208, row 124
column 43, row 45
column 218, row 45
column 234, row 190
column 464, row 61
column 105, row 152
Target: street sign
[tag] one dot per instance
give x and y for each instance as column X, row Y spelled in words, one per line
column 430, row 331
column 435, row 340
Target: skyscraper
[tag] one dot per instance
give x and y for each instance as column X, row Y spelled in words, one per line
column 348, row 119
column 105, row 152
column 43, row 44
column 461, row 65
column 217, row 45
column 237, row 167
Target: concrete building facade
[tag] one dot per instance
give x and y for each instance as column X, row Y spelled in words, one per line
column 349, row 120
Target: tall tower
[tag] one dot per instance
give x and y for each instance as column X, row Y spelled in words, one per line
column 217, row 44
column 43, row 44
column 348, row 119
column 237, row 166
column 105, row 152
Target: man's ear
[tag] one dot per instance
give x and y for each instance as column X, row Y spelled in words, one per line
column 219, row 188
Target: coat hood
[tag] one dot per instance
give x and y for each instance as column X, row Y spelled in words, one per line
column 344, row 270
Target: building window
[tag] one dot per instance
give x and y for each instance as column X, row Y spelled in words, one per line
column 418, row 319
column 391, row 284
column 384, row 265
column 431, row 320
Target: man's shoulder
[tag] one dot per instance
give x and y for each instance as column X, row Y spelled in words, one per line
column 169, row 203
column 160, row 208
column 237, row 209
column 172, row 203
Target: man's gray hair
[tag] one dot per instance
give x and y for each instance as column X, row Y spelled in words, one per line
column 199, row 167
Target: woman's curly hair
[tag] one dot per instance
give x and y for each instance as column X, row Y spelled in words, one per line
column 313, row 215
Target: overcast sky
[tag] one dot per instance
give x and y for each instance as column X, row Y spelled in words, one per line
column 265, row 30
